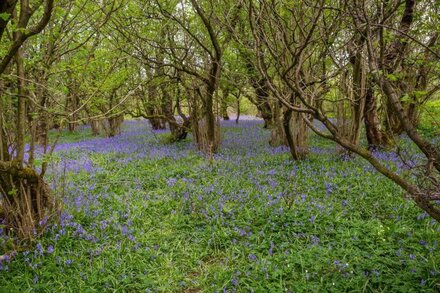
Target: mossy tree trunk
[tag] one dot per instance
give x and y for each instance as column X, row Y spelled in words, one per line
column 27, row 202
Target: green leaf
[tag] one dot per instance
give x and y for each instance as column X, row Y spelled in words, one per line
column 420, row 94
column 5, row 16
column 405, row 98
column 392, row 77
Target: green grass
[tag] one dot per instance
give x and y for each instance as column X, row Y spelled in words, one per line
column 253, row 220
column 66, row 136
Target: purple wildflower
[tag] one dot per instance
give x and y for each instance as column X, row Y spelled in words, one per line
column 50, row 249
column 252, row 257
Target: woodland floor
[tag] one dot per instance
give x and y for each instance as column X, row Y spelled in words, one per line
column 141, row 215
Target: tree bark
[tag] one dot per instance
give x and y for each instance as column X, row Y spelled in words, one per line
column 21, row 107
column 238, row 111
column 224, row 105
column 114, row 125
column 358, row 104
column 278, row 136
column 95, row 126
column 375, row 136
column 167, row 101
column 288, row 133
column 209, row 103
column 4, row 154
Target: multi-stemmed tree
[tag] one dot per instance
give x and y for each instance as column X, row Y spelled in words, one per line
column 26, row 201
column 37, row 38
column 305, row 51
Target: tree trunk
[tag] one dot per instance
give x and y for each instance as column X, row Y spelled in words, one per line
column 205, row 136
column 43, row 119
column 208, row 127
column 167, row 110
column 182, row 131
column 262, row 99
column 375, row 136
column 150, row 107
column 210, row 117
column 27, row 204
column 73, row 105
column 41, row 130
column 21, row 108
column 358, row 104
column 167, row 101
column 296, row 132
column 288, row 134
column 238, row 111
column 4, row 154
column 95, row 126
column 114, row 125
column 392, row 125
column 413, row 114
column 278, row 136
column 224, row 105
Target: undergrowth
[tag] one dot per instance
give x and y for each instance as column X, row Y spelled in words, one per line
column 143, row 216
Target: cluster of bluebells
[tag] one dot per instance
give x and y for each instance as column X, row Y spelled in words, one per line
column 265, row 209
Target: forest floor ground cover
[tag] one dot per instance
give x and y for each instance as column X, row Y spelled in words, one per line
column 143, row 216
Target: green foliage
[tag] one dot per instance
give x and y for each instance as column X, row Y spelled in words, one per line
column 429, row 119
column 393, row 77
column 5, row 16
column 247, row 108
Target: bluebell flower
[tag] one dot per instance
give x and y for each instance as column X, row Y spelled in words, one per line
column 252, row 257
column 50, row 249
